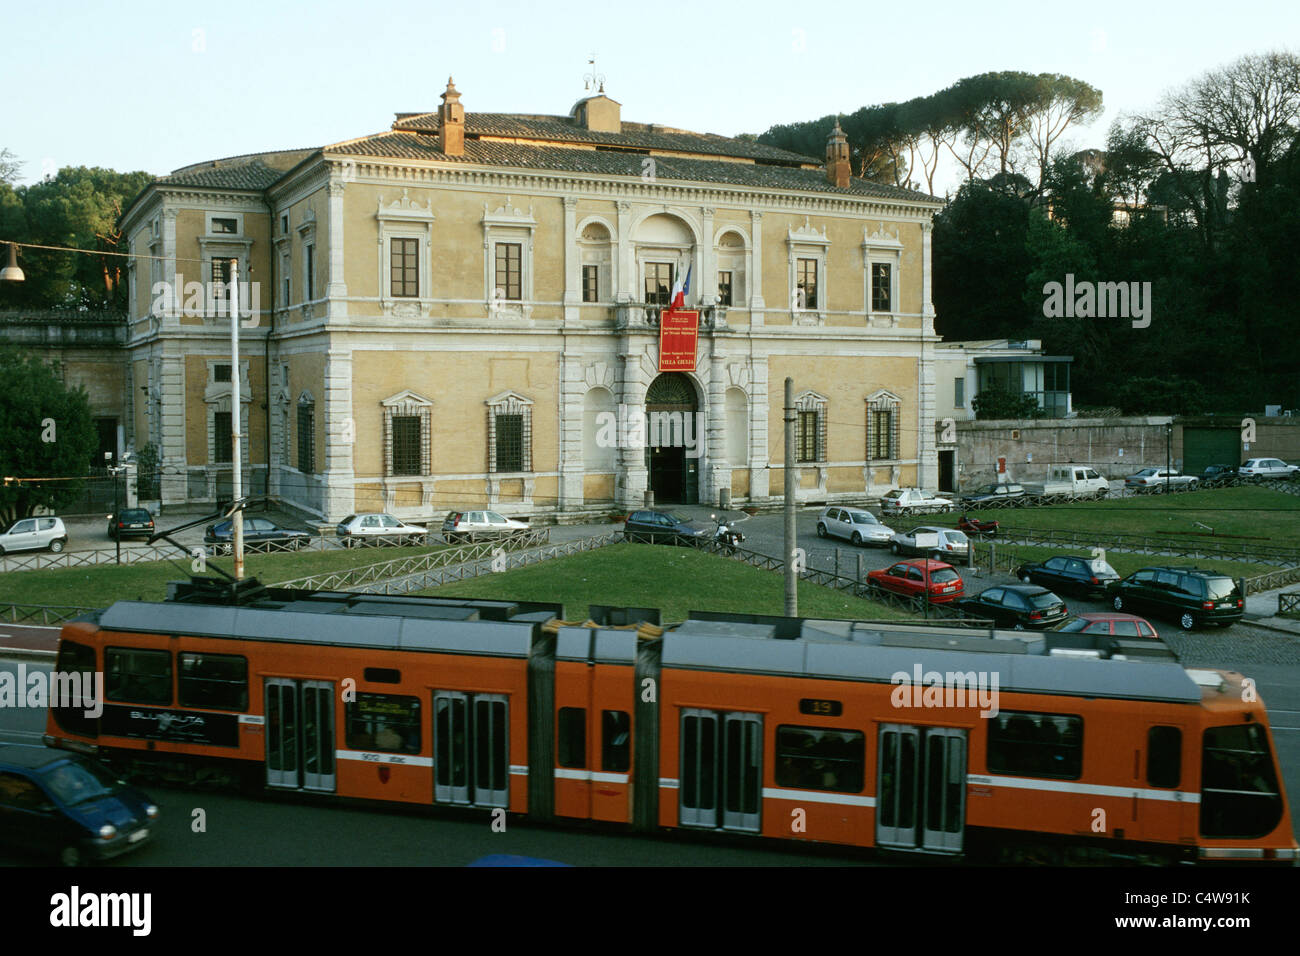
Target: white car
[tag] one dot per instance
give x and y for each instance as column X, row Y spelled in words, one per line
column 858, row 526
column 476, row 525
column 942, row 544
column 1257, row 469
column 379, row 529
column 34, row 534
column 911, row 501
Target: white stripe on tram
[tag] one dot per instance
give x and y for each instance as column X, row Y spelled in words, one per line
column 1092, row 789
column 592, row 775
column 369, row 757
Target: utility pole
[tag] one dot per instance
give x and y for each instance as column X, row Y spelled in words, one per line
column 236, row 423
column 1169, row 451
column 791, row 479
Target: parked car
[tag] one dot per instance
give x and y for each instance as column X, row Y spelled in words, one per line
column 1258, row 469
column 1191, row 596
column 1005, row 494
column 1075, row 481
column 664, row 527
column 911, row 501
column 379, row 528
column 34, row 534
column 1017, row 605
column 1156, row 480
column 1107, row 622
column 1066, row 572
column 66, row 807
column 260, row 534
column 858, row 526
column 131, row 523
column 942, row 544
column 1217, row 476
column 912, row 579
column 476, row 525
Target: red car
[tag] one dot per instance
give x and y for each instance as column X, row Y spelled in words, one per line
column 913, row 578
column 1109, row 622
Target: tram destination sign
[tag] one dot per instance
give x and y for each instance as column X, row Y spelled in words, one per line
column 678, row 331
column 220, row 730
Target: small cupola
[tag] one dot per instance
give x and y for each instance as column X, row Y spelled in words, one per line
column 451, row 126
column 838, row 167
column 599, row 113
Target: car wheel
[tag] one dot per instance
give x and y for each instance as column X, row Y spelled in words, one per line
column 70, row 855
column 821, row 530
column 893, row 547
column 228, row 549
column 1025, row 579
column 1187, row 621
column 2, row 551
column 1191, row 485
column 1118, row 603
column 56, row 546
column 857, row 539
column 1018, row 627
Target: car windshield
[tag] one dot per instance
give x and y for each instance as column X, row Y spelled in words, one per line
column 78, row 782
column 956, row 537
column 1145, row 471
column 1043, row 600
column 943, row 575
column 863, row 517
column 1220, row 589
column 677, row 518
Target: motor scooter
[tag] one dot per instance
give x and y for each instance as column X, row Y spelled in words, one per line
column 980, row 529
column 726, row 537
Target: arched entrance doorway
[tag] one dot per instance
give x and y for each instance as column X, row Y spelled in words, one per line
column 673, row 442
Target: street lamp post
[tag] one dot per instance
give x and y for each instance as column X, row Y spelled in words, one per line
column 1169, row 452
column 236, row 423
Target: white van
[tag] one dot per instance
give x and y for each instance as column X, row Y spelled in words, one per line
column 1078, row 481
column 34, row 534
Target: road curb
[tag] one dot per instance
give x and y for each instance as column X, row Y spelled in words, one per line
column 1280, row 629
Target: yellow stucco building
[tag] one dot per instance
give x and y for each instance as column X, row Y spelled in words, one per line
column 452, row 312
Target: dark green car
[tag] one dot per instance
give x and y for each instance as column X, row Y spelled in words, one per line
column 1190, row 596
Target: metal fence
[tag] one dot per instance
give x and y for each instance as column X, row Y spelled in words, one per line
column 43, row 615
column 1287, row 486
column 1151, row 544
column 1288, row 602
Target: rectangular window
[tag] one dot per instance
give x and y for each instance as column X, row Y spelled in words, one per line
column 134, row 676
column 406, row 444
column 882, row 430
column 404, row 267
column 1164, row 756
column 724, row 288
column 384, row 722
column 217, row 681
column 221, row 444
column 591, row 283
column 615, row 741
column 306, row 438
column 1036, row 745
column 310, row 254
column 882, row 299
column 1240, row 795
column 284, row 225
column 571, row 737
column 221, row 373
column 509, row 273
column 813, row 758
column 807, row 437
column 221, row 270
column 287, row 289
column 959, row 392
column 510, row 442
column 658, row 283
column 806, row 278
column 230, row 226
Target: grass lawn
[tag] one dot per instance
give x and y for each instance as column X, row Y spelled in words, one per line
column 102, row 584
column 675, row 580
column 1126, row 564
column 1270, row 516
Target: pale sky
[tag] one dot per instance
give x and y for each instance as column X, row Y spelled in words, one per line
column 159, row 84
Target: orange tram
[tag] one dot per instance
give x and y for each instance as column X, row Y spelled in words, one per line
column 864, row 734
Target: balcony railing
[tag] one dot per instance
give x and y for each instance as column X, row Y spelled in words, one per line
column 645, row 315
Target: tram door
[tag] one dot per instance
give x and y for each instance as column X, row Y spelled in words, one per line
column 300, row 734
column 921, row 788
column 721, row 769
column 471, row 749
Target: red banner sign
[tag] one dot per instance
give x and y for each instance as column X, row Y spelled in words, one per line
column 677, row 336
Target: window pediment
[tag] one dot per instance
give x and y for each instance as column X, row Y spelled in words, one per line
column 405, row 208
column 406, row 399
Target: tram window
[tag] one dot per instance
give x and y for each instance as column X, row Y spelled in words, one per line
column 135, row 676
column 78, row 662
column 1240, row 796
column 1164, row 756
column 815, row 758
column 1038, row 745
column 384, row 722
column 615, row 741
column 219, row 681
column 571, row 730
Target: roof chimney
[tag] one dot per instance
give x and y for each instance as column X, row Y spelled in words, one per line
column 838, row 168
column 599, row 113
column 452, row 121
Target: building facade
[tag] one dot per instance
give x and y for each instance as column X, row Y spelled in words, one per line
column 462, row 309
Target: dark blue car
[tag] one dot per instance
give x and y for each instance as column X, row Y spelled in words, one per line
column 61, row 805
column 260, row 534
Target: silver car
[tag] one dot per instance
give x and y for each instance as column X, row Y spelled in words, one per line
column 858, row 526
column 379, row 529
column 1257, row 469
column 476, row 525
column 942, row 544
column 34, row 534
